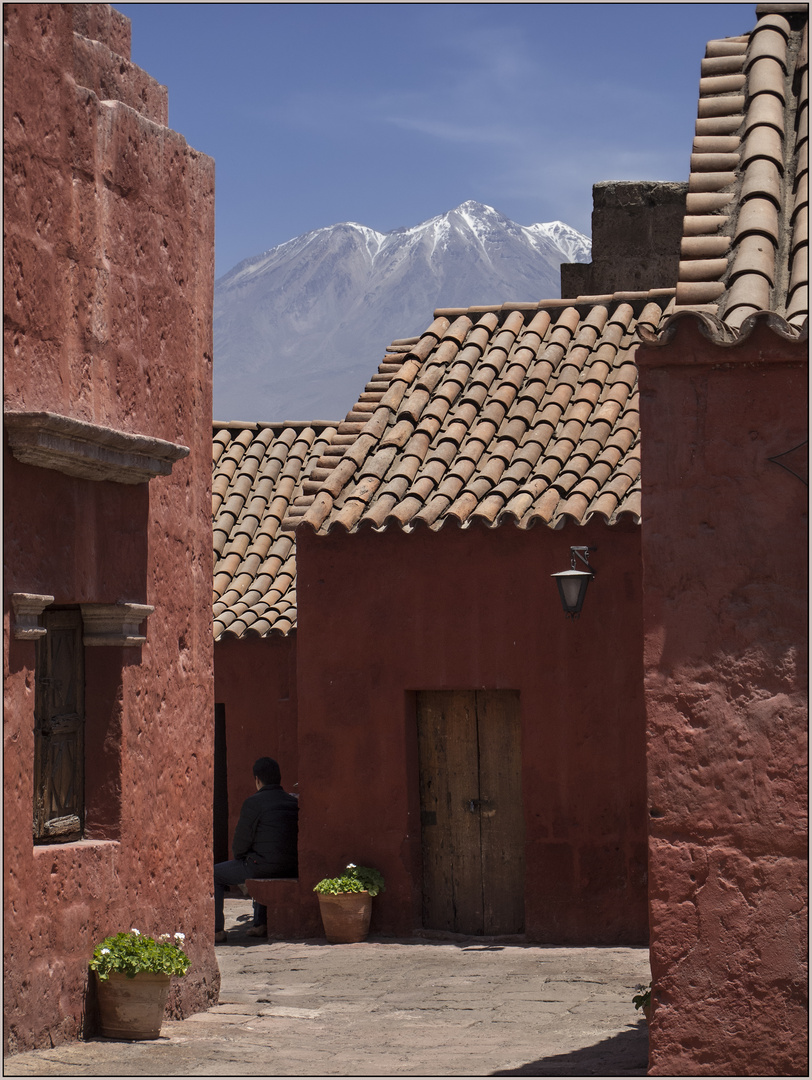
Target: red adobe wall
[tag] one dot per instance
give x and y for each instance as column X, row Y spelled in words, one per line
column 384, row 615
column 725, row 555
column 255, row 681
column 109, row 223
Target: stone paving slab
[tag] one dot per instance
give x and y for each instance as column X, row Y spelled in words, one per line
column 418, row 1007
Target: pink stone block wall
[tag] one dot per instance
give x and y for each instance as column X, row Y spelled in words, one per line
column 725, row 566
column 108, row 273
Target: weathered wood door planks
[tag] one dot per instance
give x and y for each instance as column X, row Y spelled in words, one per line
column 501, row 814
column 471, row 811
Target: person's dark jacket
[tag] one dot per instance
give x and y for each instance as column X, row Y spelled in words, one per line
column 267, row 833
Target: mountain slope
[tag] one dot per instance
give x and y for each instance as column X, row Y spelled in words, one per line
column 299, row 329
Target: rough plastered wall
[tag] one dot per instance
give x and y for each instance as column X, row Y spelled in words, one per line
column 108, row 273
column 636, row 234
column 384, row 615
column 725, row 568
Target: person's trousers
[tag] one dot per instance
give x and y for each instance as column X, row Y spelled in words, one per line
column 234, row 872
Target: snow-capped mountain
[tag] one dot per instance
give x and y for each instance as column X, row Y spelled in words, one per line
column 299, row 329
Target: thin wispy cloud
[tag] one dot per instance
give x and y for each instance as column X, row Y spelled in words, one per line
column 448, row 130
column 388, row 114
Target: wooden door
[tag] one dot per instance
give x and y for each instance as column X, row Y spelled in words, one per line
column 471, row 811
column 59, row 729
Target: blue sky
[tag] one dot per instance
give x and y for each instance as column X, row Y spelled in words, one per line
column 388, row 114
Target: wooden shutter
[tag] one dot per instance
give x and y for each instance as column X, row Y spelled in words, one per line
column 59, row 729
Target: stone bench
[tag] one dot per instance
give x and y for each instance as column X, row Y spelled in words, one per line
column 281, row 897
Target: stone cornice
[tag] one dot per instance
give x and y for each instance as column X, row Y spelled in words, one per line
column 114, row 624
column 90, row 451
column 718, row 332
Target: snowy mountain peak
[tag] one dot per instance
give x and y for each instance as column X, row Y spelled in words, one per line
column 299, row 329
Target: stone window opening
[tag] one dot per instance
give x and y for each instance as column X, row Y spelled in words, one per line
column 78, row 719
column 59, row 729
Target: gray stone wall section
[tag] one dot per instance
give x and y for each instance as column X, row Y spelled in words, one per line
column 636, row 233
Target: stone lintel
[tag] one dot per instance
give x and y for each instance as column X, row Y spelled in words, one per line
column 27, row 609
column 114, row 624
column 90, row 451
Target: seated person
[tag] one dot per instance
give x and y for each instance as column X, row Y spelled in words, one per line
column 264, row 846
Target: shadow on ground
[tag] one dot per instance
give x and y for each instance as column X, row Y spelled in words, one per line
column 625, row 1054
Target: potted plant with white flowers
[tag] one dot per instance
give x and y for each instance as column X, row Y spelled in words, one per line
column 133, row 972
column 346, row 903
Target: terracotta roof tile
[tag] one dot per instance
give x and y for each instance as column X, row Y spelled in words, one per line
column 258, row 470
column 264, row 477
column 521, row 412
column 726, row 63
column 746, row 207
column 765, row 109
column 723, row 105
column 701, row 203
column 755, row 254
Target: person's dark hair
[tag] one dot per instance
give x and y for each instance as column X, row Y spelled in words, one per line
column 267, row 770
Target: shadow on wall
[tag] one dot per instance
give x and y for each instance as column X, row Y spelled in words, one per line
column 625, row 1054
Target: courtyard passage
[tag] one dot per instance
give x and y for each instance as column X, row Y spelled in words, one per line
column 462, row 1007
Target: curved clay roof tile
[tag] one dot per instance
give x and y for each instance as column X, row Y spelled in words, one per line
column 723, row 105
column 758, row 215
column 769, row 42
column 766, row 76
column 763, row 142
column 762, row 178
column 755, row 254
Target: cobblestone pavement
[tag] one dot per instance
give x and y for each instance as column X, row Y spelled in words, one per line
column 461, row 1007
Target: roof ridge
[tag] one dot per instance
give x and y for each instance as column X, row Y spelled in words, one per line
column 587, row 302
column 260, row 425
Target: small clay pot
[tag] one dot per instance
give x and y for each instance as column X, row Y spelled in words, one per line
column 132, row 1008
column 345, row 916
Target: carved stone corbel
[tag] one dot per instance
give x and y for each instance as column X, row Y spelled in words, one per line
column 27, row 609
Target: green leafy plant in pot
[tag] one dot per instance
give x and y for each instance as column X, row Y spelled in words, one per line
column 346, row 903
column 133, row 973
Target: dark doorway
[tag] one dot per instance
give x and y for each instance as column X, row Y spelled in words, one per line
column 220, row 822
column 471, row 810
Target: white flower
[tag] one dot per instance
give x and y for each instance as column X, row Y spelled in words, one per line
column 105, row 951
column 134, row 931
column 179, row 936
column 350, row 865
column 164, row 937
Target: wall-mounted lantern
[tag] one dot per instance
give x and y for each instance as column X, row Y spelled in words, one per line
column 572, row 583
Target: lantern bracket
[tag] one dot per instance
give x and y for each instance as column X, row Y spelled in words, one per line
column 583, row 555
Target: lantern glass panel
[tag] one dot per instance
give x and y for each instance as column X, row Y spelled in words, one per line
column 572, row 585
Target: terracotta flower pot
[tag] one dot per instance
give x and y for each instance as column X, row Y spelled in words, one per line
column 345, row 916
column 132, row 1008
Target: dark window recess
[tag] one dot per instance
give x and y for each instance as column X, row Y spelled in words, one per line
column 59, row 730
